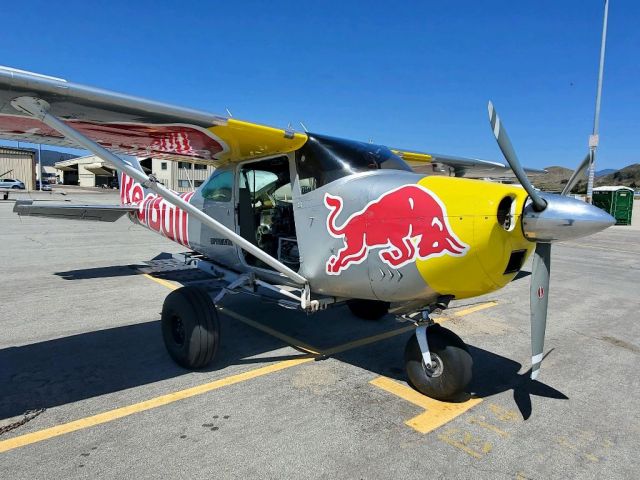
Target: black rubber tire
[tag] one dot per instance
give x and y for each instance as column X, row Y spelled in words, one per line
column 190, row 327
column 15, row 187
column 453, row 355
column 368, row 309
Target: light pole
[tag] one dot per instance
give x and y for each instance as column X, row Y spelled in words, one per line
column 594, row 139
column 40, row 166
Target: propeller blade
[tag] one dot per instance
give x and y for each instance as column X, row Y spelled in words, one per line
column 576, row 174
column 539, row 300
column 512, row 159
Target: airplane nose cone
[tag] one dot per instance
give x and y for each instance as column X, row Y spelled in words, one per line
column 565, row 218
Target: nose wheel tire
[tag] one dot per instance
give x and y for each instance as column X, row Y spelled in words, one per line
column 190, row 327
column 451, row 365
column 368, row 309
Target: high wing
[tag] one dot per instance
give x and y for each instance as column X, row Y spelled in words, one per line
column 134, row 126
column 457, row 166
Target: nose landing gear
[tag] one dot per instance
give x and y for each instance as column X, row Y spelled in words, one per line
column 437, row 362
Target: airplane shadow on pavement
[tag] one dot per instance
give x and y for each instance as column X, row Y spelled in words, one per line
column 492, row 374
column 65, row 370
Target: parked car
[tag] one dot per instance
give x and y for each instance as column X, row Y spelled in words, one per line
column 46, row 187
column 11, row 183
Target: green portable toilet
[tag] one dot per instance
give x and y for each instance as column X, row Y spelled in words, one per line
column 617, row 201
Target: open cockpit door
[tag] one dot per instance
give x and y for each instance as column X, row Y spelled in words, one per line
column 265, row 210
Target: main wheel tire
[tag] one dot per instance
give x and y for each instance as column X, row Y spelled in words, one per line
column 368, row 309
column 451, row 360
column 190, row 327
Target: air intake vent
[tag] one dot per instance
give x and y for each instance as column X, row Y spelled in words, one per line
column 515, row 261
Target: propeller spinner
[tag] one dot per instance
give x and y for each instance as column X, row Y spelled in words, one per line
column 547, row 218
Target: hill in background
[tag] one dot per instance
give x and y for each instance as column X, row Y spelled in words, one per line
column 556, row 179
column 50, row 157
column 606, row 171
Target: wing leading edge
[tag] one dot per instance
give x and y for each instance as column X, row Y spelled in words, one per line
column 131, row 125
column 458, row 166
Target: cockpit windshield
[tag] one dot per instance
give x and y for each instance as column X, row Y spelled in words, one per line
column 325, row 159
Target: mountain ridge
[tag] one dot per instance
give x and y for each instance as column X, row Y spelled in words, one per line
column 557, row 177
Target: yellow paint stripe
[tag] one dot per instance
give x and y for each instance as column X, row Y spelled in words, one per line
column 230, row 313
column 305, row 347
column 437, row 413
column 156, row 402
column 463, row 444
column 38, row 436
column 274, row 333
column 290, row 340
column 399, row 331
column 473, row 309
column 162, row 282
column 367, row 340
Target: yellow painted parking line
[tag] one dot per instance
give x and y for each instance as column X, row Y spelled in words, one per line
column 162, row 282
column 436, row 413
column 295, row 343
column 472, row 309
column 366, row 341
column 300, row 345
column 444, row 412
column 259, row 326
column 399, row 331
column 156, row 402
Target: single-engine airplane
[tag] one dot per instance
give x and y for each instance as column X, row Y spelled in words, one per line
column 314, row 220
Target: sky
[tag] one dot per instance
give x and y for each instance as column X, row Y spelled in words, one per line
column 414, row 74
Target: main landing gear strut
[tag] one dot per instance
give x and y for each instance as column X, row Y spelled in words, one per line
column 437, row 361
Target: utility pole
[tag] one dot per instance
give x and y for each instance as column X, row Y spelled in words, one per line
column 594, row 139
column 40, row 166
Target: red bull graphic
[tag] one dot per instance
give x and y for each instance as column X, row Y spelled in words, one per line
column 154, row 212
column 407, row 223
column 137, row 139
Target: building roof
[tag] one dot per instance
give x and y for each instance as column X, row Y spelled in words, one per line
column 17, row 151
column 612, row 188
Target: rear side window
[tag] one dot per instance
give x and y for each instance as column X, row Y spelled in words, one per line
column 219, row 187
column 324, row 159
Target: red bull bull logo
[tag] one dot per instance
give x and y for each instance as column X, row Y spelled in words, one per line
column 154, row 212
column 406, row 224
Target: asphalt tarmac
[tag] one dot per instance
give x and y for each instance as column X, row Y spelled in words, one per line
column 81, row 339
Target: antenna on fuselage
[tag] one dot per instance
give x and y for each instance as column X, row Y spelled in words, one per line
column 228, row 112
column 304, row 127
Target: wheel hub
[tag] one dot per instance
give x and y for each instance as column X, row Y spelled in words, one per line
column 177, row 330
column 436, row 368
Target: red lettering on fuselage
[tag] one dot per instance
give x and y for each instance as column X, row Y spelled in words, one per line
column 154, row 212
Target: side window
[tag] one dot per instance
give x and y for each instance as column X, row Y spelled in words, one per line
column 219, row 187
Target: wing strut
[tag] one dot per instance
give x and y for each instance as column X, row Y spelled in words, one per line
column 39, row 109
